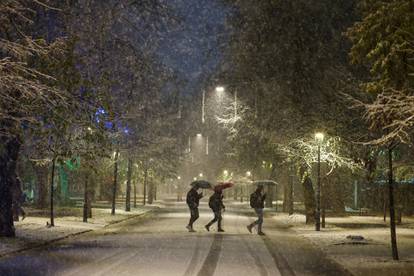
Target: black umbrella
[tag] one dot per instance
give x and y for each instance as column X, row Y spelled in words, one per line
column 201, row 184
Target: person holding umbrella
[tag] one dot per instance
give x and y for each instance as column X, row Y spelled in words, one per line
column 216, row 204
column 257, row 199
column 193, row 200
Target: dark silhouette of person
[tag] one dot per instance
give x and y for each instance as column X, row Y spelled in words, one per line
column 257, row 199
column 216, row 204
column 193, row 200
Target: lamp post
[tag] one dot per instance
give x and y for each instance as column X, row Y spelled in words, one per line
column 319, row 139
column 179, row 191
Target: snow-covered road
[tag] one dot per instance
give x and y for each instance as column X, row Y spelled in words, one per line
column 160, row 245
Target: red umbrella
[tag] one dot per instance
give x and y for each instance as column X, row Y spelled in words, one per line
column 223, row 185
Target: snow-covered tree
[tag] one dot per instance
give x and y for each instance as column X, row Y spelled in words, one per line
column 383, row 41
column 25, row 89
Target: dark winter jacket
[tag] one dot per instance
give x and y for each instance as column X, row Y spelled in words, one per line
column 216, row 202
column 257, row 200
column 193, row 198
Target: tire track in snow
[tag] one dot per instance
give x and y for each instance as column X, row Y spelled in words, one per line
column 193, row 262
column 210, row 263
column 278, row 258
column 259, row 264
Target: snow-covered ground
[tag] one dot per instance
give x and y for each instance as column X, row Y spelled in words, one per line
column 370, row 256
column 34, row 230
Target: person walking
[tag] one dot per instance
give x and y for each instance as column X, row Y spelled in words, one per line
column 257, row 199
column 216, row 204
column 193, row 200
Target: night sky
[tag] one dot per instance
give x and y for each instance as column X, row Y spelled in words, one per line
column 194, row 49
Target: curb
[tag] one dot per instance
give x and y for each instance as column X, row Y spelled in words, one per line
column 49, row 242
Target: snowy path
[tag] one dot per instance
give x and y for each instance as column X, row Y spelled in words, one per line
column 160, row 245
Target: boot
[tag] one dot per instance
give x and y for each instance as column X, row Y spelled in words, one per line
column 219, row 228
column 259, row 231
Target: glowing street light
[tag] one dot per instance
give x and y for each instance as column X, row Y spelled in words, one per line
column 249, row 173
column 200, row 175
column 179, row 177
column 220, row 89
column 226, row 172
column 319, row 136
column 195, row 178
column 199, row 135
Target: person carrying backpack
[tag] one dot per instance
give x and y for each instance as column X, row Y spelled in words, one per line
column 257, row 199
column 216, row 204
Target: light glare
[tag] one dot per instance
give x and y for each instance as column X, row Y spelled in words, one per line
column 220, row 89
column 319, row 136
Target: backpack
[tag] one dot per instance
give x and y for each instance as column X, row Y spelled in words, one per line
column 215, row 201
column 212, row 201
column 254, row 200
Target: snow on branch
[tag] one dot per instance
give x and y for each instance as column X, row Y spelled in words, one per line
column 392, row 113
column 231, row 116
column 306, row 152
column 23, row 87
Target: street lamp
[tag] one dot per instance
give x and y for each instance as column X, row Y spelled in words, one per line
column 220, row 89
column 249, row 173
column 179, row 177
column 225, row 172
column 200, row 175
column 319, row 136
column 195, row 178
column 319, row 139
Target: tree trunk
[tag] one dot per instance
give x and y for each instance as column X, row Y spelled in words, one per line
column 270, row 190
column 284, row 180
column 155, row 191
column 52, row 184
column 309, row 199
column 135, row 194
column 391, row 205
column 128, row 187
column 42, row 174
column 85, row 200
column 290, row 191
column 384, row 204
column 115, row 184
column 145, row 186
column 9, row 153
column 150, row 192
